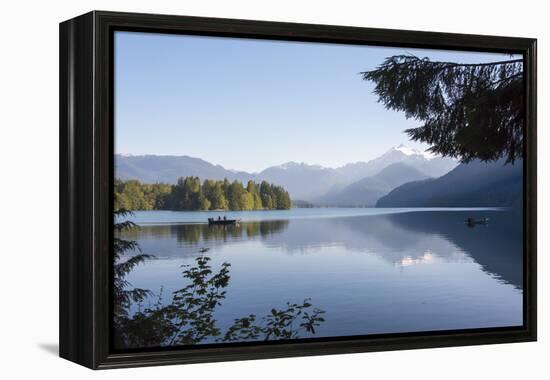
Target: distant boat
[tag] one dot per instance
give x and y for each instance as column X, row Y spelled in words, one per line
column 222, row 222
column 473, row 221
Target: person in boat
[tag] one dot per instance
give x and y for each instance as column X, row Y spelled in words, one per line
column 219, row 218
column 473, row 221
column 224, row 218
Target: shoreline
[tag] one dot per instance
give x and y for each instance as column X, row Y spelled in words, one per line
column 153, row 217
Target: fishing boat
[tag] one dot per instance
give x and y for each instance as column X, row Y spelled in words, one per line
column 221, row 222
column 473, row 221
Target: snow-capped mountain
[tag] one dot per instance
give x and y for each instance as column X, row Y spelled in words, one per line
column 415, row 152
column 425, row 162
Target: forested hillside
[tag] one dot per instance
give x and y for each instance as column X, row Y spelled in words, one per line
column 473, row 184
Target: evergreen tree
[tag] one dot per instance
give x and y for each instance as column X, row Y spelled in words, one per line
column 213, row 191
column 204, row 203
column 246, row 201
column 252, row 188
column 208, row 188
column 235, row 193
column 265, row 195
column 274, row 198
column 225, row 187
column 283, row 199
column 186, row 194
column 469, row 111
column 219, row 201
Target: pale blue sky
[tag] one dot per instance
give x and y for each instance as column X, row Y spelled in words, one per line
column 250, row 104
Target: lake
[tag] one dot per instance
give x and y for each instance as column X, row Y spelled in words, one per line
column 371, row 270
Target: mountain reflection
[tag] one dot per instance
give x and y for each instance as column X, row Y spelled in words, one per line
column 419, row 238
column 406, row 239
column 497, row 247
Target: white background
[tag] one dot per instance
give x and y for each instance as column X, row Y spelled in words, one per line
column 29, row 187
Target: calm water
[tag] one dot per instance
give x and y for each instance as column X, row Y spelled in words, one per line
column 372, row 270
column 178, row 217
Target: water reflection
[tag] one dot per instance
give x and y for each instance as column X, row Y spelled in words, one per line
column 193, row 235
column 142, row 319
column 372, row 274
column 399, row 239
column 497, row 246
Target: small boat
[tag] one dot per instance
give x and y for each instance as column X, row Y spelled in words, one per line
column 221, row 222
column 473, row 221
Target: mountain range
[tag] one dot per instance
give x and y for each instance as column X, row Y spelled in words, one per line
column 468, row 185
column 368, row 190
column 312, row 183
column 401, row 177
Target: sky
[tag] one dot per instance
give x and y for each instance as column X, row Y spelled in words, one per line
column 250, row 104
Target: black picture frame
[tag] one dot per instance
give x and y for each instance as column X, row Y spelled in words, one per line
column 86, row 177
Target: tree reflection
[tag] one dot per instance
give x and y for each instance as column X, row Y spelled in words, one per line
column 141, row 319
column 196, row 233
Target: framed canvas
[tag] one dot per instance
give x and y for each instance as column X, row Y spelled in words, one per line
column 234, row 189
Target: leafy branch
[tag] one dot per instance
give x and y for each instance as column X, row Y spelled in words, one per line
column 189, row 317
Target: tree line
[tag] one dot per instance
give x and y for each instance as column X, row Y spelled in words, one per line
column 189, row 193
